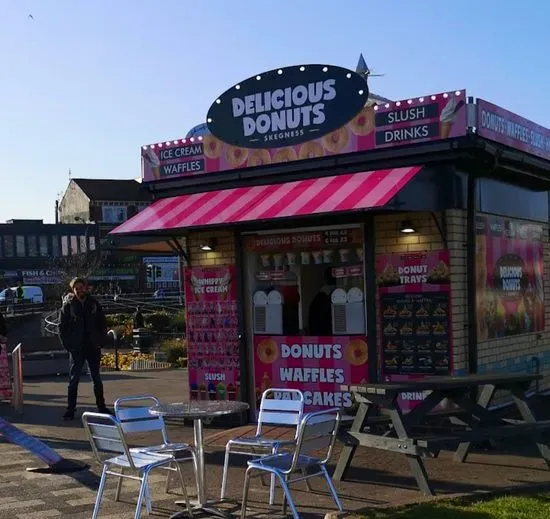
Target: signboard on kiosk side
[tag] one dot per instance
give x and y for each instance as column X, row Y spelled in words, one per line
column 300, row 113
column 500, row 125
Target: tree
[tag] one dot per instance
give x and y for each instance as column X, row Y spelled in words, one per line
column 81, row 265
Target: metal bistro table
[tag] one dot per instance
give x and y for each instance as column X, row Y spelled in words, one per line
column 476, row 423
column 198, row 411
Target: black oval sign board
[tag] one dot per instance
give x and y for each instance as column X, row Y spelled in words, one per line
column 287, row 106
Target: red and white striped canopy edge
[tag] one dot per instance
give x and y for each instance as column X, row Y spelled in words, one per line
column 340, row 193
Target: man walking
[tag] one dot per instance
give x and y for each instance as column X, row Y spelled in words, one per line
column 83, row 331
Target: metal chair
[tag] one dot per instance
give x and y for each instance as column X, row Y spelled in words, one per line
column 138, row 419
column 273, row 411
column 316, row 435
column 107, row 437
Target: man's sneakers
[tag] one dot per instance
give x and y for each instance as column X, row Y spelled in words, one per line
column 105, row 410
column 69, row 414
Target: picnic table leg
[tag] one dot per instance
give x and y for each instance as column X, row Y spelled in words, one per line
column 485, row 398
column 416, row 463
column 349, row 450
column 523, row 406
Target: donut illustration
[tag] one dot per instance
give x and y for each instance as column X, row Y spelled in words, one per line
column 337, row 140
column 212, row 146
column 357, row 352
column 259, row 158
column 363, row 122
column 311, row 150
column 268, row 351
column 235, row 156
column 285, row 155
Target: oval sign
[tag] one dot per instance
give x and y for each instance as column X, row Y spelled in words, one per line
column 287, row 106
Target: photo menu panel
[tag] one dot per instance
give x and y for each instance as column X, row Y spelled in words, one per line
column 415, row 313
column 213, row 342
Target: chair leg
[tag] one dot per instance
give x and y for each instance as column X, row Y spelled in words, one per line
column 245, row 492
column 168, row 479
column 119, row 485
column 287, row 497
column 306, row 481
column 332, row 488
column 142, row 492
column 148, row 505
column 100, row 491
column 225, row 469
column 272, row 482
column 185, row 496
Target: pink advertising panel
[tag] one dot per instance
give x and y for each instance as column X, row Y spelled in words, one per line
column 315, row 365
column 424, row 119
column 213, row 346
column 414, row 296
column 500, row 125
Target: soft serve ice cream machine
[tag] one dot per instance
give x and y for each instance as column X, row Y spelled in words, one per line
column 348, row 311
column 268, row 312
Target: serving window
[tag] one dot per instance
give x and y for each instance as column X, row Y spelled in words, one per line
column 307, row 282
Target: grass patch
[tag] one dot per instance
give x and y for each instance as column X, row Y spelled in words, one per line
column 535, row 506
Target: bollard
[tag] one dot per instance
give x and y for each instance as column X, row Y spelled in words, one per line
column 115, row 341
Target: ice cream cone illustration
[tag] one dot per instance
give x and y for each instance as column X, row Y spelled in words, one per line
column 154, row 162
column 448, row 116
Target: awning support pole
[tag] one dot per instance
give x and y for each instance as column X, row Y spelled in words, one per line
column 442, row 227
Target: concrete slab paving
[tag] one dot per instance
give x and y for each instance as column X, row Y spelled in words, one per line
column 375, row 479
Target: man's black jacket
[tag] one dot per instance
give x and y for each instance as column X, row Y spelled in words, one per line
column 82, row 324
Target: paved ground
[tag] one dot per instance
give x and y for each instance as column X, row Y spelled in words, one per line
column 376, row 479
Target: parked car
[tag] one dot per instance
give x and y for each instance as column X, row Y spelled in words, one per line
column 31, row 294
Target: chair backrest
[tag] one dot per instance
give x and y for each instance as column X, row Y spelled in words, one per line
column 281, row 407
column 317, row 435
column 105, row 435
column 137, row 418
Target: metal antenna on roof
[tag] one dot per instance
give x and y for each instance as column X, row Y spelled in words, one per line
column 69, row 173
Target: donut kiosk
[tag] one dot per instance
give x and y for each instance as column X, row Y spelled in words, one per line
column 365, row 239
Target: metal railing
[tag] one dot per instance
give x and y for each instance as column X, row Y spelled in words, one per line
column 17, row 364
column 13, row 308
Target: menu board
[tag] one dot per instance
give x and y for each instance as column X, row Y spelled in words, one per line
column 304, row 240
column 415, row 333
column 415, row 313
column 212, row 333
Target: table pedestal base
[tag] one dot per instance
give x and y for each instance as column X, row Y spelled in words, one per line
column 208, row 508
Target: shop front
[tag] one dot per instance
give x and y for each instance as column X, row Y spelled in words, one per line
column 332, row 239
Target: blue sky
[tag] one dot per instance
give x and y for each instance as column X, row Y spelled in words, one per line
column 86, row 83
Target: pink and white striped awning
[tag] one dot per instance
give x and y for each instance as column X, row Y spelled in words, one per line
column 340, row 193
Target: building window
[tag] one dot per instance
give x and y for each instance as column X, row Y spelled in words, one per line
column 91, row 240
column 64, row 245
column 20, row 246
column 1, row 245
column 8, row 246
column 83, row 246
column 114, row 214
column 43, row 245
column 55, row 245
column 32, row 248
column 74, row 245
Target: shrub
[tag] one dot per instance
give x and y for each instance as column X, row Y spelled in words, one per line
column 175, row 349
column 114, row 320
column 177, row 322
column 158, row 321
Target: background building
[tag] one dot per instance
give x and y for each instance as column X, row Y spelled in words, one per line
column 38, row 253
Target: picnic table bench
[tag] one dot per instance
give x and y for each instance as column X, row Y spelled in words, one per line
column 475, row 423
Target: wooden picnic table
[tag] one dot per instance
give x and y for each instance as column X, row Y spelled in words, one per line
column 477, row 423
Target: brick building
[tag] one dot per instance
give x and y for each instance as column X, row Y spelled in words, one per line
column 108, row 203
column 33, row 252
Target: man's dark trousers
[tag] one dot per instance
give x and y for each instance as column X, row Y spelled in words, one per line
column 93, row 357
